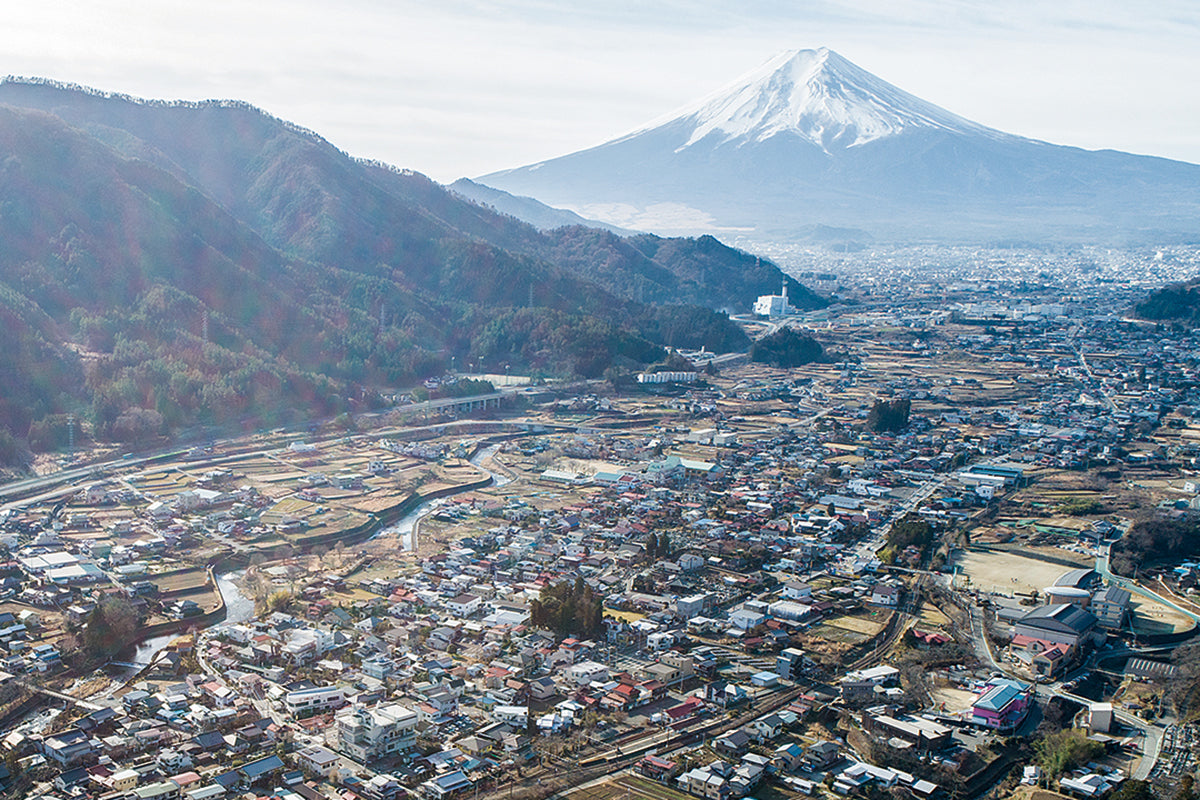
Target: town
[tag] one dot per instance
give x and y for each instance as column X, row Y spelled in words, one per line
column 938, row 563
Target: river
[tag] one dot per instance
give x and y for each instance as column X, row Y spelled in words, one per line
column 238, row 608
column 405, row 526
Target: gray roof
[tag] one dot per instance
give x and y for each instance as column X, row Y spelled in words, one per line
column 1063, row 617
column 1078, row 578
column 1112, row 594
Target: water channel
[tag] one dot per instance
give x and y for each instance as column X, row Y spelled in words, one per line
column 405, row 526
column 239, row 608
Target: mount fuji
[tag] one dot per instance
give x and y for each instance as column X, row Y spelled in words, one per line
column 811, row 143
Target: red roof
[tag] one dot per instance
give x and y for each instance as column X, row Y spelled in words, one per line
column 685, row 708
column 931, row 637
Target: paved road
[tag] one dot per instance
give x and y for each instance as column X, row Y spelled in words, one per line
column 1151, row 733
column 1137, row 588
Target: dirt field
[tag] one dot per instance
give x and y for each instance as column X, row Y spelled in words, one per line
column 1034, row 793
column 951, row 699
column 1153, row 618
column 931, row 617
column 182, row 581
column 863, row 625
column 1005, row 573
column 849, row 630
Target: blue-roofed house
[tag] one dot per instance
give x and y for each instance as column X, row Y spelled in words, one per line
column 446, row 785
column 262, row 768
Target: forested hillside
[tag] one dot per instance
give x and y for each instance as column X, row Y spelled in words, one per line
column 164, row 266
column 1178, row 302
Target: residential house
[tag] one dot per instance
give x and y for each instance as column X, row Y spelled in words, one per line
column 317, row 760
column 732, row 744
column 68, row 748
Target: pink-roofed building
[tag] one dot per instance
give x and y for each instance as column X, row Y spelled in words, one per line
column 1044, row 657
column 1002, row 705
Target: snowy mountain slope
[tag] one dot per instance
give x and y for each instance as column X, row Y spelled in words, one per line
column 811, row 139
column 818, row 96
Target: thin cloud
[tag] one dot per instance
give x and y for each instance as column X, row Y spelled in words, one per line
column 464, row 87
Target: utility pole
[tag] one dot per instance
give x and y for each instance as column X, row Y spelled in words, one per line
column 71, row 436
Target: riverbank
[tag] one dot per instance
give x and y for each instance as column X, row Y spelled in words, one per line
column 235, row 607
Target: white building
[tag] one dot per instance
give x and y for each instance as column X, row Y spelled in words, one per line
column 517, row 716
column 661, row 640
column 789, row 609
column 667, row 377
column 745, row 618
column 691, row 606
column 464, row 605
column 585, row 672
column 797, row 590
column 368, row 734
column 306, row 702
column 773, row 305
column 876, row 675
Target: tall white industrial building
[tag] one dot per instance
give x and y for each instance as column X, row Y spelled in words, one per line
column 773, row 305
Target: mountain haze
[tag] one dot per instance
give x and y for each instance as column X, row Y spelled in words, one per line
column 539, row 215
column 810, row 139
column 172, row 264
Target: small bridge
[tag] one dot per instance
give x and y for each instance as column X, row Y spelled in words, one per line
column 87, row 704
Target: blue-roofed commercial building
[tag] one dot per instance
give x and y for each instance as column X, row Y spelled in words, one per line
column 1003, row 704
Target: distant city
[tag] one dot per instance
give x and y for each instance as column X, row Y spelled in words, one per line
column 855, row 454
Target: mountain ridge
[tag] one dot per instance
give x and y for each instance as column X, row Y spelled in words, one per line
column 818, row 95
column 165, row 265
column 811, row 139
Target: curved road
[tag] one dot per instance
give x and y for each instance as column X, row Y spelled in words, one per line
column 1152, row 734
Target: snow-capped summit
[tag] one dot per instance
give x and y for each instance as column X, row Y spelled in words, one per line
column 810, row 146
column 817, row 95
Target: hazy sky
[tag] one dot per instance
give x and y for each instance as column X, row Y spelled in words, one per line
column 465, row 87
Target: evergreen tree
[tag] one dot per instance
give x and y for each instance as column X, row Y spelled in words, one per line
column 889, row 415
